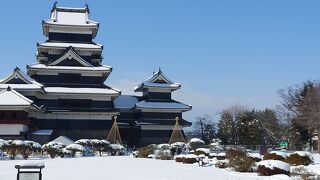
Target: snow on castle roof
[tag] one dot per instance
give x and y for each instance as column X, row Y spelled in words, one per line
column 74, row 45
column 10, row 97
column 158, row 80
column 66, row 17
column 66, row 90
column 162, row 105
column 71, row 16
column 26, row 82
column 44, row 67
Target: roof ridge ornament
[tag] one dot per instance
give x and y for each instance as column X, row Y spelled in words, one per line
column 16, row 69
column 54, row 6
column 87, row 8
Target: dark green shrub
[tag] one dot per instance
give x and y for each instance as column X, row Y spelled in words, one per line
column 53, row 148
column 11, row 149
column 163, row 154
column 200, row 151
column 273, row 156
column 144, row 152
column 117, row 150
column 232, row 153
column 28, row 148
column 241, row 163
column 295, row 159
column 196, row 143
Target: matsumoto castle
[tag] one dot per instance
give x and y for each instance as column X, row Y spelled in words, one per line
column 64, row 92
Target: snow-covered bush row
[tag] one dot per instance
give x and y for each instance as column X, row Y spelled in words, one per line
column 190, row 159
column 92, row 146
column 163, row 151
column 24, row 148
column 272, row 167
column 295, row 159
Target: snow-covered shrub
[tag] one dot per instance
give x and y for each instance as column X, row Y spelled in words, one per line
column 86, row 143
column 74, row 148
column 221, row 156
column 215, row 145
column 65, row 153
column 2, row 143
column 13, row 147
column 135, row 154
column 53, row 148
column 100, row 146
column 164, row 146
column 117, row 150
column 145, row 151
column 179, row 158
column 303, row 172
column 151, row 156
column 190, row 159
column 221, row 164
column 275, row 155
column 163, row 154
column 212, row 155
column 29, row 147
column 299, row 158
column 196, row 143
column 179, row 148
column 255, row 157
column 204, row 151
column 272, row 167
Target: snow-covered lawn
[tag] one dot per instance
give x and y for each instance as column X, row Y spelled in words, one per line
column 122, row 168
column 129, row 168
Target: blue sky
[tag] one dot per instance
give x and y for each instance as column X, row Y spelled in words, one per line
column 223, row 52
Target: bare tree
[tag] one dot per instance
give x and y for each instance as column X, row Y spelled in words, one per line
column 309, row 111
column 204, row 128
column 299, row 106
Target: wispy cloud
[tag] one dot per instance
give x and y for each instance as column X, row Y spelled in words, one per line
column 202, row 102
column 206, row 103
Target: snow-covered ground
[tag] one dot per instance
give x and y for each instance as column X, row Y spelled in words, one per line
column 129, row 168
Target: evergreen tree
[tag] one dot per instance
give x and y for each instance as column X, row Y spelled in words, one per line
column 226, row 127
column 250, row 130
